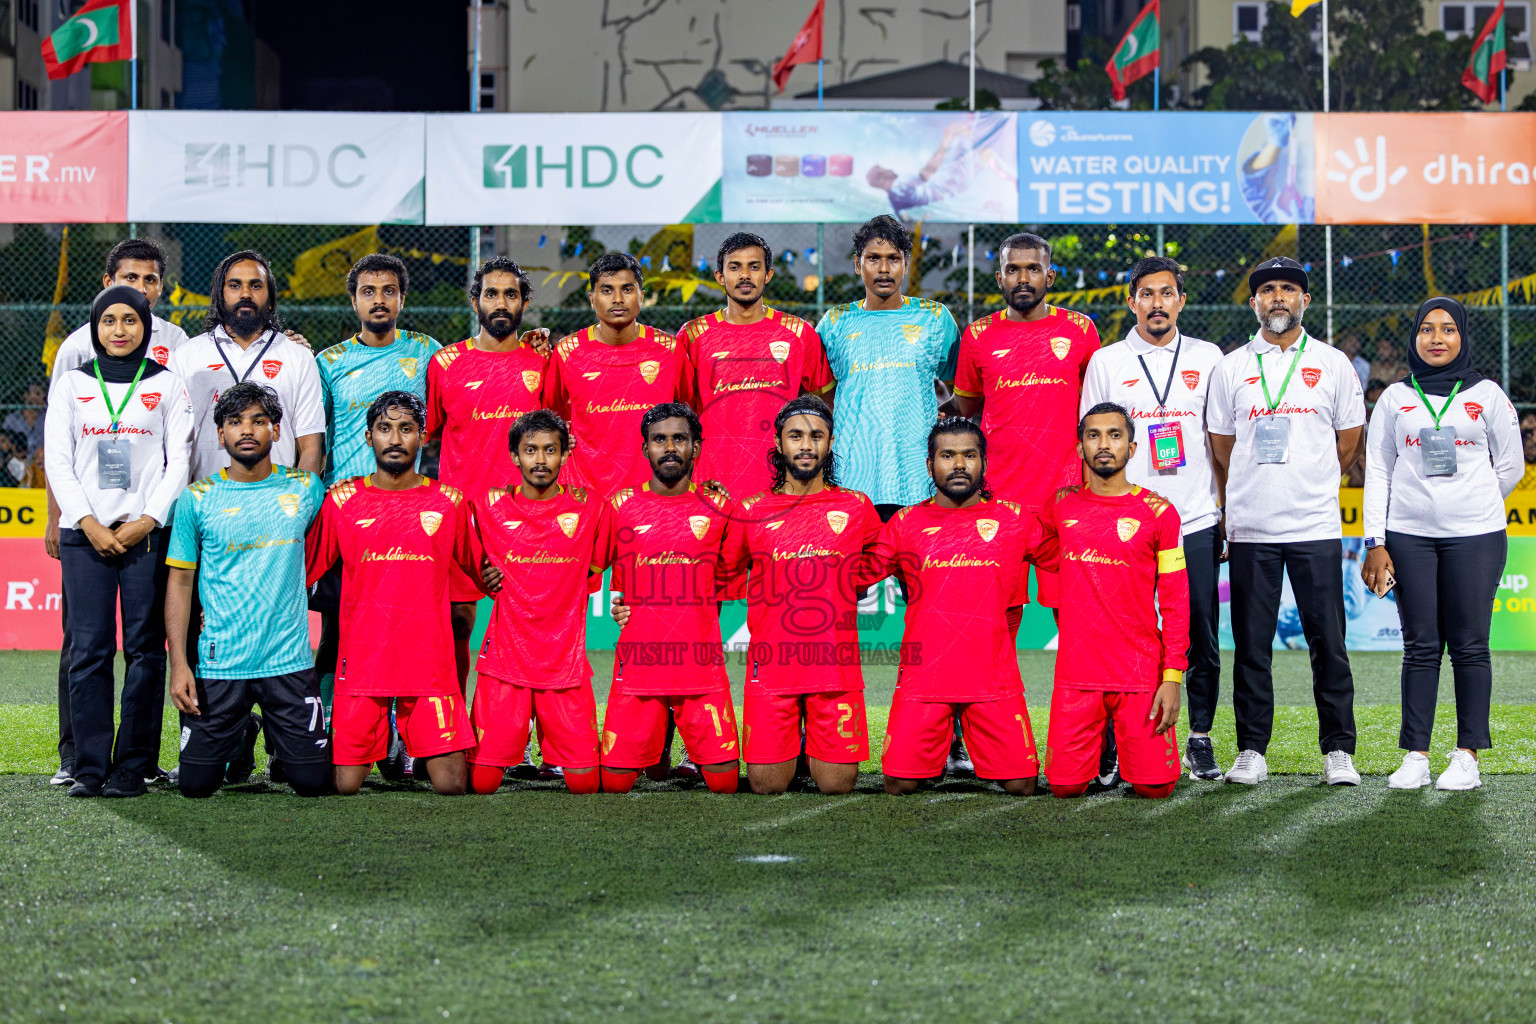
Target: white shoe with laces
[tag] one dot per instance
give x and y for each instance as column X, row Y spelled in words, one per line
column 1339, row 769
column 1414, row 774
column 1249, row 769
column 1463, row 773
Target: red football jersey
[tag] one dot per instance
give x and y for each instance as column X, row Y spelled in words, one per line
column 472, row 398
column 745, row 374
column 546, row 551
column 1116, row 555
column 603, row 391
column 396, row 549
column 1031, row 374
column 807, row 556
column 666, row 558
column 963, row 569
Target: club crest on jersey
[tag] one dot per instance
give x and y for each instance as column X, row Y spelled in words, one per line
column 430, row 521
column 649, row 370
column 838, row 521
column 568, row 521
column 779, row 349
column 912, row 333
column 289, row 503
column 1473, row 410
column 1191, row 378
column 987, row 528
column 1061, row 346
column 153, row 399
column 1310, row 376
column 271, row 367
column 161, row 353
column 699, row 525
column 1125, row 529
column 408, row 366
column 532, row 379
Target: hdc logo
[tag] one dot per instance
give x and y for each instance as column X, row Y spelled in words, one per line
column 599, row 166
column 220, row 165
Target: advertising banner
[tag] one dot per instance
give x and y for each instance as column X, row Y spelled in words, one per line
column 1175, row 168
column 573, row 168
column 66, row 167
column 255, row 167
column 802, row 167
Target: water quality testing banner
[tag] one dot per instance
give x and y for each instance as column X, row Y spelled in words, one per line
column 848, row 167
column 253, row 167
column 573, row 168
column 66, row 167
column 1175, row 168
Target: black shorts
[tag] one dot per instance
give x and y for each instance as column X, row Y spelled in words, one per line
column 291, row 712
column 325, row 595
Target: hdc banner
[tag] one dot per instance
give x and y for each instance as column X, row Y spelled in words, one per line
column 288, row 168
column 573, row 168
column 68, row 167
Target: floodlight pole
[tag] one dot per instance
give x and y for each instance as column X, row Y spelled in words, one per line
column 474, row 108
column 1503, row 271
column 970, row 235
column 1327, row 228
column 821, row 232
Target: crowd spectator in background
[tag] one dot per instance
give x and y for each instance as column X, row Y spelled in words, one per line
column 28, row 420
column 1528, row 442
column 1388, row 364
column 1349, row 344
column 15, row 466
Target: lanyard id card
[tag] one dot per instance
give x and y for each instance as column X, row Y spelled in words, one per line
column 1167, row 440
column 1271, row 439
column 1437, row 452
column 114, row 464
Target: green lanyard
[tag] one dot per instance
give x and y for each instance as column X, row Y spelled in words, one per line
column 117, row 413
column 1274, row 403
column 1437, row 416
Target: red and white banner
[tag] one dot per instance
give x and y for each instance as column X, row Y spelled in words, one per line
column 63, row 167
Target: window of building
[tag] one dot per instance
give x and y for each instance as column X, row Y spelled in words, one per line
column 26, row 14
column 168, row 21
column 1459, row 19
column 487, row 90
column 1249, row 19
column 26, row 95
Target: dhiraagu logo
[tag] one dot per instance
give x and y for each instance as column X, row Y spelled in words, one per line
column 508, row 167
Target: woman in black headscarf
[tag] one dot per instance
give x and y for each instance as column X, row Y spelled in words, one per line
column 1442, row 452
column 117, row 445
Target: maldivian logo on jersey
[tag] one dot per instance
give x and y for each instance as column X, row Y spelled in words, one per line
column 987, row 528
column 699, row 525
column 649, row 370
column 430, row 521
column 838, row 521
column 563, row 167
column 568, row 521
column 1125, row 529
column 289, row 503
column 408, row 366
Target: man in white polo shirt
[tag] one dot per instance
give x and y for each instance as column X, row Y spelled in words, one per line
column 1160, row 376
column 1286, row 415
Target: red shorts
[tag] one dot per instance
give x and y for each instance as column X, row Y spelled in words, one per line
column 997, row 736
column 635, row 727
column 567, row 723
column 834, row 727
column 462, row 588
column 430, row 726
column 1076, row 735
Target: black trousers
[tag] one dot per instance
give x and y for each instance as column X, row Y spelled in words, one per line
column 66, row 723
column 1202, row 680
column 1445, row 592
column 96, row 586
column 1316, row 569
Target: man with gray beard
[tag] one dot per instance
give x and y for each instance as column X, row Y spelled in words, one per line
column 1285, row 417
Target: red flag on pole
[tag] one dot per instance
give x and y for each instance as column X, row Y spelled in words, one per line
column 806, row 49
column 102, row 30
column 1137, row 53
column 1488, row 58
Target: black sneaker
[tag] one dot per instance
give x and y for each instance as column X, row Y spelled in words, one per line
column 1200, row 759
column 1109, row 762
column 550, row 772
column 124, row 783
column 959, row 762
column 157, row 776
column 86, row 787
column 65, row 775
column 276, row 773
column 238, row 771
column 527, row 771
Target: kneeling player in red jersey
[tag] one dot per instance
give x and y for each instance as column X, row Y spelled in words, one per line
column 961, row 555
column 546, row 540
column 664, row 543
column 1120, row 553
column 398, row 535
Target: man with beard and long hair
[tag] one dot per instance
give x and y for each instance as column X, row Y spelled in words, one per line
column 1124, row 617
column 1286, row 417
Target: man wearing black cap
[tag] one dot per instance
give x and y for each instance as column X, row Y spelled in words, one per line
column 1285, row 417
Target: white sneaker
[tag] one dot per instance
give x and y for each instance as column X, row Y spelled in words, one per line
column 1249, row 769
column 1339, row 769
column 1414, row 774
column 1462, row 774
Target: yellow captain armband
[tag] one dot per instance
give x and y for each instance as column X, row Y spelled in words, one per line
column 1173, row 675
column 1171, row 560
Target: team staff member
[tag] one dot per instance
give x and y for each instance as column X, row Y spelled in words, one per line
column 1443, row 452
column 1285, row 417
column 1160, row 376
column 119, row 431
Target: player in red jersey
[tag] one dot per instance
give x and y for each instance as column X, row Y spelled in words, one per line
column 749, row 359
column 397, row 534
column 546, row 539
column 1120, row 552
column 664, row 542
column 805, row 539
column 961, row 555
column 603, row 379
column 475, row 389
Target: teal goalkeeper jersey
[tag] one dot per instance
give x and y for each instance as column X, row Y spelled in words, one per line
column 247, row 542
column 352, row 376
column 885, row 362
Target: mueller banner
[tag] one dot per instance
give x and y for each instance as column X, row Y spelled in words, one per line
column 276, row 168
column 1426, row 168
column 813, row 166
column 1138, row 167
column 573, row 168
column 66, row 167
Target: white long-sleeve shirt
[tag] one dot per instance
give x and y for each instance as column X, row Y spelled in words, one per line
column 75, row 350
column 157, row 424
column 1115, row 375
column 1469, row 502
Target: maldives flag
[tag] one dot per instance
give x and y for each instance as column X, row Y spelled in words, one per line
column 805, row 49
column 102, row 30
column 1488, row 58
column 1136, row 55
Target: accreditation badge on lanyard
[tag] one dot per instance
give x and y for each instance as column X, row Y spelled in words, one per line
column 1437, row 447
column 114, row 455
column 1167, row 438
column 1272, row 432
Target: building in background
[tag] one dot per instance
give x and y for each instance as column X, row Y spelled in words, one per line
column 24, row 82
